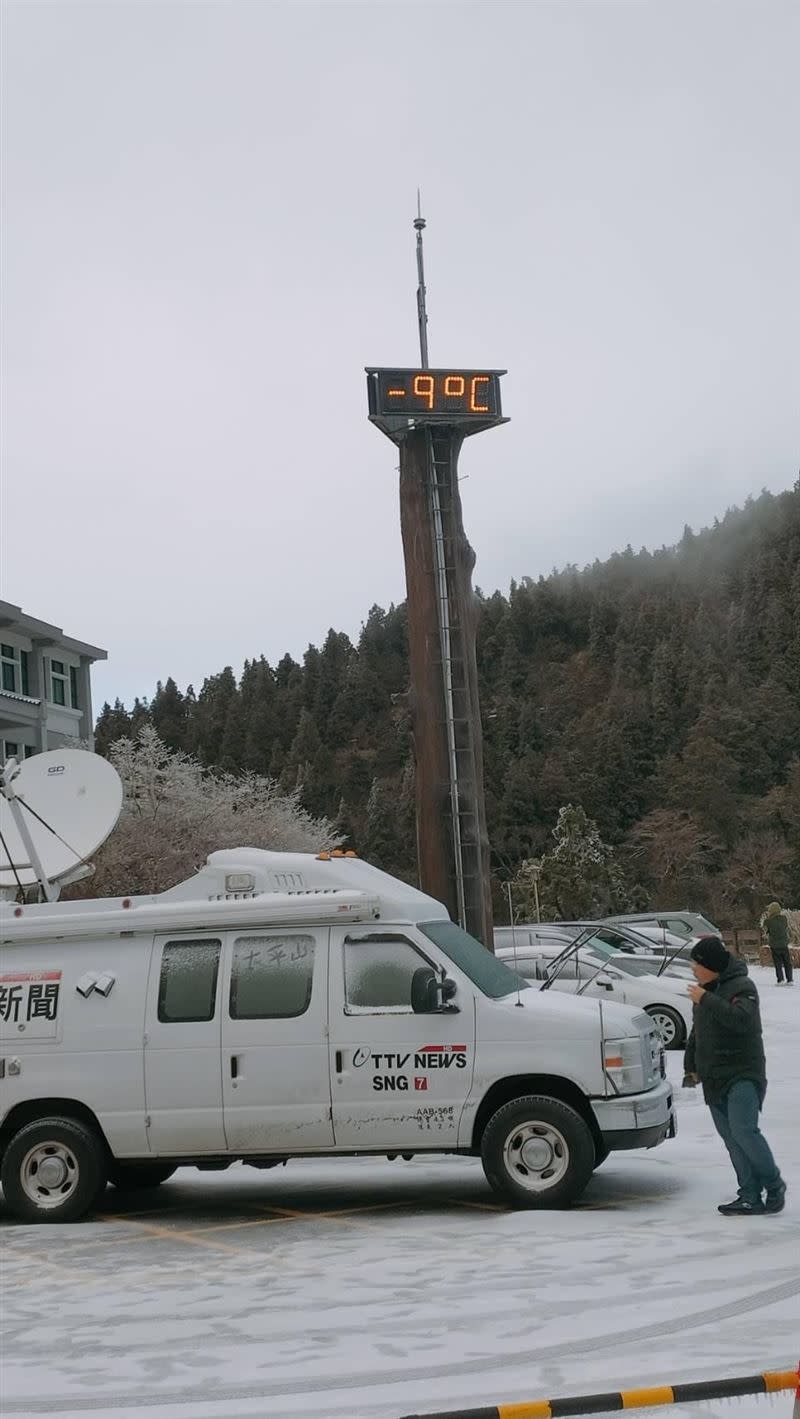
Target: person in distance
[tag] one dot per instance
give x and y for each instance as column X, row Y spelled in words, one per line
column 725, row 1053
column 776, row 926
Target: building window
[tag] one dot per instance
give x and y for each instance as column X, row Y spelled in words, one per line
column 11, row 750
column 24, row 676
column 10, row 661
column 73, row 687
column 29, row 750
column 58, row 683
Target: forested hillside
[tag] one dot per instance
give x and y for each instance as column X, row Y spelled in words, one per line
column 659, row 690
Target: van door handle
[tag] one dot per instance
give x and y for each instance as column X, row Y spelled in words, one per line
column 234, row 1066
column 338, row 1061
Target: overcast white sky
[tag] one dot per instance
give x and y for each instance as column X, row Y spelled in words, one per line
column 207, row 235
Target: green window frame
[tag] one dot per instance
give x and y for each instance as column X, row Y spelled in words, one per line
column 58, row 683
column 10, row 661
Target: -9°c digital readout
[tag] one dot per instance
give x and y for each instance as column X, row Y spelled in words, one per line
column 463, row 393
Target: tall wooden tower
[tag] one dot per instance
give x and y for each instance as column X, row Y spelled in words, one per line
column 428, row 413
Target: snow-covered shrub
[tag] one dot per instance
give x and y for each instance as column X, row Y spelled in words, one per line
column 175, row 813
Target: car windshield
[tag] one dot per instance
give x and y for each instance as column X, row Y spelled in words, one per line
column 599, row 947
column 492, row 977
column 607, row 945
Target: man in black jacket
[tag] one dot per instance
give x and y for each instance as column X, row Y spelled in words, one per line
column 725, row 1052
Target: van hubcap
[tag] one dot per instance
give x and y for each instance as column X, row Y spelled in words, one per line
column 49, row 1174
column 536, row 1156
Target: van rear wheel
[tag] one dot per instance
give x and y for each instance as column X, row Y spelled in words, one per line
column 129, row 1176
column 53, row 1170
column 538, row 1152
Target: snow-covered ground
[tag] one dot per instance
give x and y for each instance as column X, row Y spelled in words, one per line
column 364, row 1289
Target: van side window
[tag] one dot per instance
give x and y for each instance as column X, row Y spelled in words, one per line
column 378, row 974
column 271, row 976
column 187, row 990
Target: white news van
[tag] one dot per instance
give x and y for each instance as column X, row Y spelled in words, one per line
column 281, row 1005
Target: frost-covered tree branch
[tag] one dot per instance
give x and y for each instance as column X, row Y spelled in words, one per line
column 175, row 813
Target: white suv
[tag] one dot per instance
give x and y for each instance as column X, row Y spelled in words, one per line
column 629, row 980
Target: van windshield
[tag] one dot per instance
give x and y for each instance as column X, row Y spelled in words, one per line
column 491, row 976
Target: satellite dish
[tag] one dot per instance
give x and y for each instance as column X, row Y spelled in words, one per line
column 56, row 809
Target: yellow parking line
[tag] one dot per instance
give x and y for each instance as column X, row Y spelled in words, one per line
column 189, row 1238
column 130, row 1216
column 248, row 1222
column 288, row 1212
column 136, row 1236
column 369, row 1207
column 481, row 1206
column 293, row 1214
column 342, row 1215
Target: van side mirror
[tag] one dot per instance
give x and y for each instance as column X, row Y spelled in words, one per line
column 604, row 982
column 429, row 993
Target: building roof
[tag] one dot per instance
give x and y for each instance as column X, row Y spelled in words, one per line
column 13, row 618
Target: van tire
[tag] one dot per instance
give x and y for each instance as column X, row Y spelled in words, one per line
column 129, row 1177
column 561, row 1152
column 71, row 1160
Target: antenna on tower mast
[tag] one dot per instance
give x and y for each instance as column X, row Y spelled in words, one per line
column 422, row 313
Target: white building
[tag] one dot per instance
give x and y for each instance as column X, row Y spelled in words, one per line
column 45, row 685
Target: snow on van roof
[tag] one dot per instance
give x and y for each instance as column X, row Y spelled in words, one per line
column 234, row 886
column 233, row 873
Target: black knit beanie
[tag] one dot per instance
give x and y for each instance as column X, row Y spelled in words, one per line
column 710, row 952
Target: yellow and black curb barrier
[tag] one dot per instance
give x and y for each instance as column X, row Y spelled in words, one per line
column 771, row 1382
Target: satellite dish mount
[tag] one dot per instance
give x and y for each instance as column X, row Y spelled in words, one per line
column 56, row 809
column 16, row 808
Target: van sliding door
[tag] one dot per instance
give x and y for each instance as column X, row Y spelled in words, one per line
column 275, row 1065
column 182, row 1065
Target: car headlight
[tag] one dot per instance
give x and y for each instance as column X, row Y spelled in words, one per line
column 624, row 1064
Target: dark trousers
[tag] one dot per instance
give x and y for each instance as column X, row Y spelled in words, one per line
column 782, row 961
column 735, row 1118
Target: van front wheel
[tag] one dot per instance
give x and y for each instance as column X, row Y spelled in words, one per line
column 53, row 1170
column 538, row 1152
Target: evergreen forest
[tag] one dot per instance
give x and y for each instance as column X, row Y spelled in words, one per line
column 658, row 691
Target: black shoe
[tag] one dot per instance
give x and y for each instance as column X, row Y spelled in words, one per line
column 740, row 1208
column 776, row 1198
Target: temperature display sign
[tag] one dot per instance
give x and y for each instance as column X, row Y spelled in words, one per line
column 440, row 392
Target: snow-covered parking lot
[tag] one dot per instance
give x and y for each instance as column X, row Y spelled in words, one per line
column 370, row 1289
